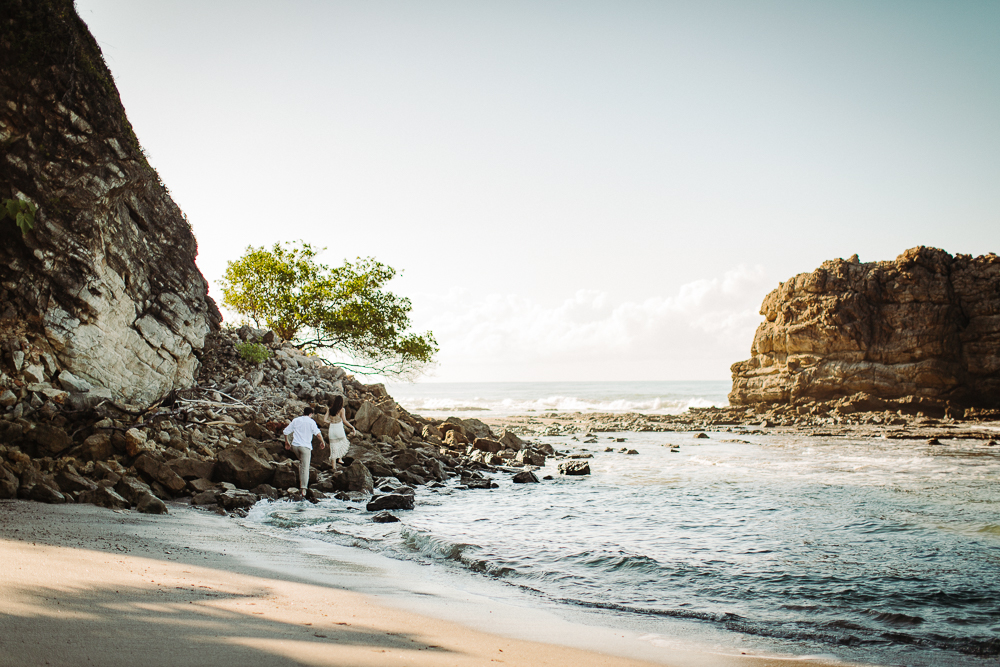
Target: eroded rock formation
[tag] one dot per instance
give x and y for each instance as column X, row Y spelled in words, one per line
column 106, row 283
column 926, row 325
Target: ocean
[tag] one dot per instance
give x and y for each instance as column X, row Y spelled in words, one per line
column 499, row 399
column 879, row 551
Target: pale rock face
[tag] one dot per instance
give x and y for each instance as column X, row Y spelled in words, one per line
column 107, row 276
column 926, row 324
column 71, row 383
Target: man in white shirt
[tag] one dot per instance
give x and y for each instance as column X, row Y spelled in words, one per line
column 303, row 429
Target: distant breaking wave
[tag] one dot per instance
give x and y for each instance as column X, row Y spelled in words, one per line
column 520, row 398
column 555, row 404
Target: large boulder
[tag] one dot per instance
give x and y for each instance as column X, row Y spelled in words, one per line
column 105, row 497
column 69, row 479
column 454, row 438
column 159, row 472
column 486, row 445
column 358, row 478
column 371, row 419
column 286, row 475
column 51, row 440
column 96, row 447
column 243, row 467
column 150, row 504
column 107, row 277
column 510, row 440
column 926, row 325
column 189, row 468
column 476, row 428
column 373, row 459
column 132, row 489
column 8, row 483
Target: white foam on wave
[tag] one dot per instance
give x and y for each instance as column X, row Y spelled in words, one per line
column 554, row 403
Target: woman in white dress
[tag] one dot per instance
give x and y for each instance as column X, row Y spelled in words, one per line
column 339, row 443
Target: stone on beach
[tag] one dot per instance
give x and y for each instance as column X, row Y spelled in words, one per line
column 132, row 489
column 243, row 467
column 106, row 497
column 160, row 472
column 189, row 468
column 150, row 504
column 8, row 484
column 238, row 499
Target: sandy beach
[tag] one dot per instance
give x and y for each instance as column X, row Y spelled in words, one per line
column 85, row 585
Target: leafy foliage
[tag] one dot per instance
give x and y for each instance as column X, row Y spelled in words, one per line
column 253, row 352
column 317, row 307
column 21, row 212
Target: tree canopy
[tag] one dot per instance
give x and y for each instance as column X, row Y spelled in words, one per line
column 316, row 307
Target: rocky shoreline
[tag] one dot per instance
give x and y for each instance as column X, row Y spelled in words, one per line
column 847, row 418
column 217, row 444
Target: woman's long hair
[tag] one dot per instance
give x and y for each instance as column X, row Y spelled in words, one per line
column 338, row 404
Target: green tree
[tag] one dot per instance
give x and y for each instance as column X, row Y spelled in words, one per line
column 317, row 308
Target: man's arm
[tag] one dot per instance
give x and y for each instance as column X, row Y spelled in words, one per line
column 322, row 442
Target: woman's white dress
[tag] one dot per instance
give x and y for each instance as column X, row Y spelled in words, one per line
column 339, row 443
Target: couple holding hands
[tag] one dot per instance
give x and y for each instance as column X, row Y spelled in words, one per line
column 303, row 429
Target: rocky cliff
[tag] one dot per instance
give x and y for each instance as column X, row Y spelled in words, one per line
column 105, row 285
column 926, row 326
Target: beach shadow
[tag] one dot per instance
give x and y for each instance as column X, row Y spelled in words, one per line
column 186, row 618
column 176, row 625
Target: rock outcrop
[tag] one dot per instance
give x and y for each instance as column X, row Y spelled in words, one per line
column 218, row 442
column 924, row 328
column 105, row 285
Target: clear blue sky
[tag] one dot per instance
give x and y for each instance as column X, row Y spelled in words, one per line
column 574, row 190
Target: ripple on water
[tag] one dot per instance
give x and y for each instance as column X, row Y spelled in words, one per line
column 869, row 549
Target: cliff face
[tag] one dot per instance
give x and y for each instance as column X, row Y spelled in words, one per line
column 925, row 325
column 106, row 282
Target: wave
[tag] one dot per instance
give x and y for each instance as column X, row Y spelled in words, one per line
column 439, row 548
column 835, row 633
column 555, row 403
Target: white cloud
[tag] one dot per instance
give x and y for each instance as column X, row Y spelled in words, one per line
column 694, row 334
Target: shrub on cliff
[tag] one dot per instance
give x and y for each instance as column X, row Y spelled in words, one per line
column 316, row 307
column 253, row 352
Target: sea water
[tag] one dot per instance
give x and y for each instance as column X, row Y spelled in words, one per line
column 881, row 551
column 500, row 399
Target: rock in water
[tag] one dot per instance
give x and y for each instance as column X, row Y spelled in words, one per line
column 390, row 501
column 385, row 517
column 525, row 477
column 238, row 499
column 574, row 468
column 107, row 276
column 925, row 325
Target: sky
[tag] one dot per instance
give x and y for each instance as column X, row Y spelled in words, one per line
column 571, row 190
